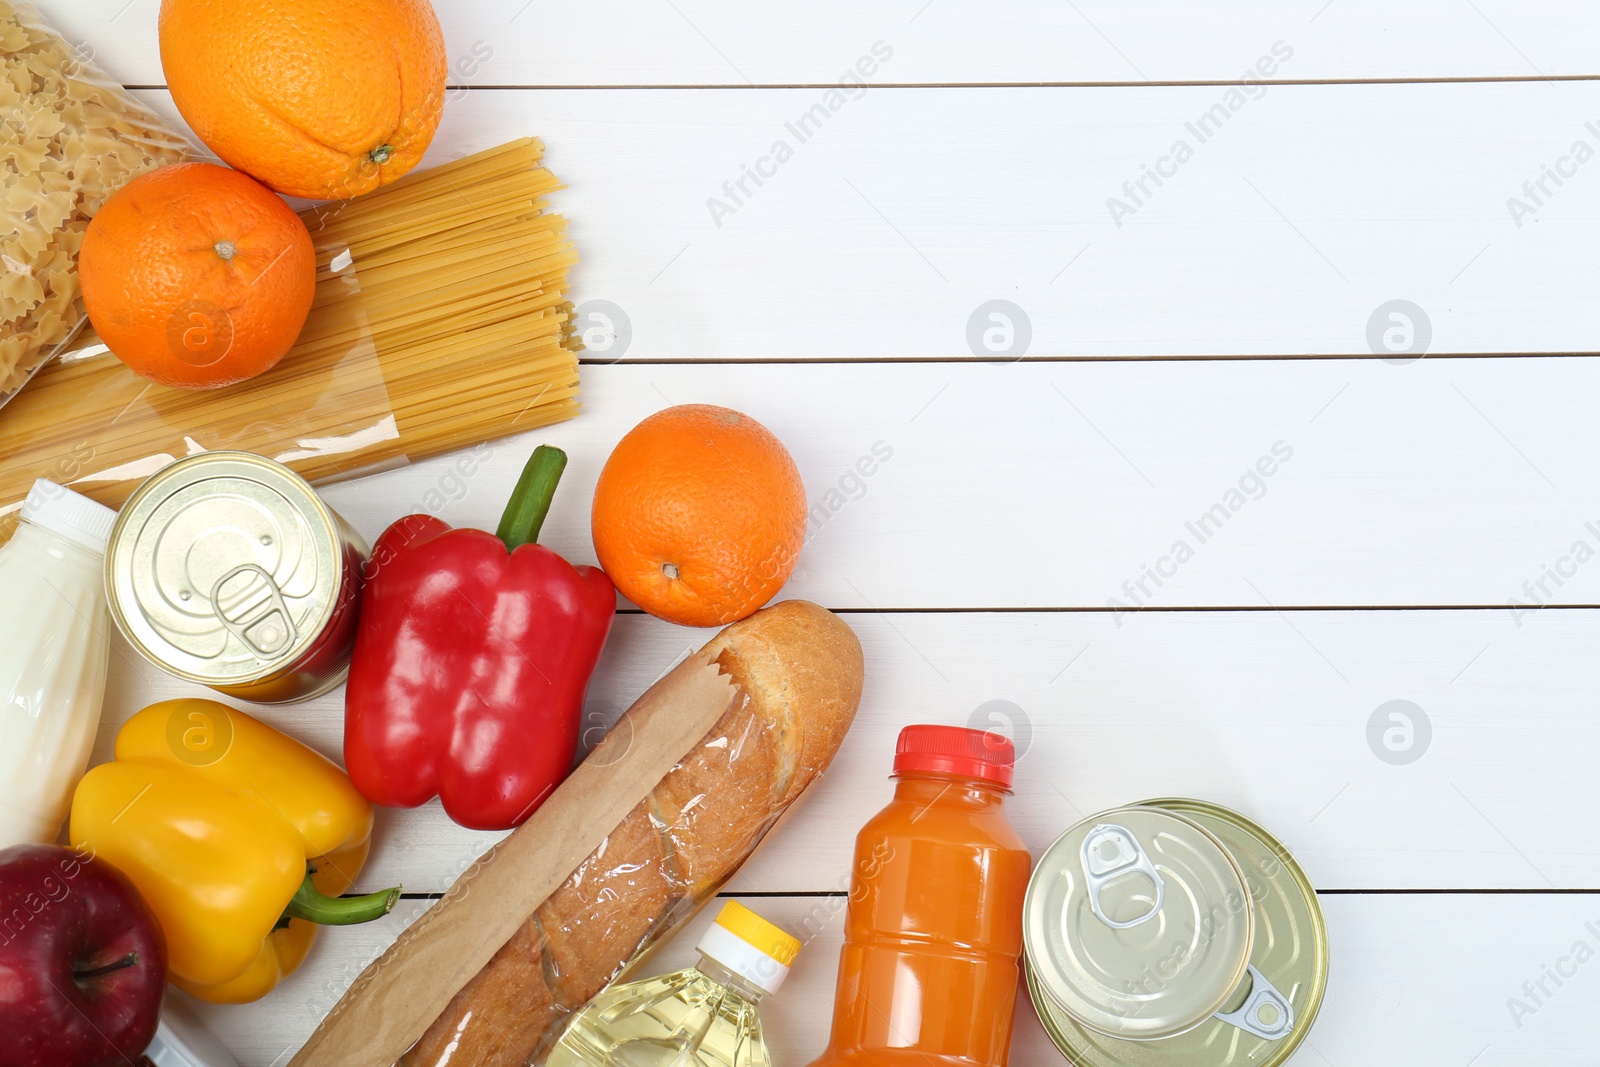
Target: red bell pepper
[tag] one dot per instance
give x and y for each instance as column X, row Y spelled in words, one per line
column 471, row 661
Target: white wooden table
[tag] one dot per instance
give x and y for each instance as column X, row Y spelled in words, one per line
column 1046, row 464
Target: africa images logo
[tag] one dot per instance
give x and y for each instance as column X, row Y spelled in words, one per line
column 852, row 85
column 1251, row 485
column 1537, row 192
column 1138, row 192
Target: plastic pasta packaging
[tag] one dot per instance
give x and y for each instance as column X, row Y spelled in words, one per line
column 69, row 138
column 440, row 321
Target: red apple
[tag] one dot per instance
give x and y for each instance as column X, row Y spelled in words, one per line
column 83, row 963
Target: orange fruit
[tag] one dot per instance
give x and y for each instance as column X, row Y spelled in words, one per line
column 197, row 276
column 316, row 99
column 699, row 515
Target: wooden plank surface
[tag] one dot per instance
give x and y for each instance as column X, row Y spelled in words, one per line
column 1052, row 485
column 1269, row 713
column 724, row 42
column 991, row 493
column 883, row 226
column 1426, row 979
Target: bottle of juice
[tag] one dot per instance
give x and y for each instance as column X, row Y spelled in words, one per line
column 54, row 645
column 705, row 1016
column 928, row 973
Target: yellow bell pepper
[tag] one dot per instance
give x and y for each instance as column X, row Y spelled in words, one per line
column 240, row 839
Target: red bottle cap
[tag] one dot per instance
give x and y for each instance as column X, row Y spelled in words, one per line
column 956, row 750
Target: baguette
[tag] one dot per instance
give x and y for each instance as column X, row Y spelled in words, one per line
column 798, row 670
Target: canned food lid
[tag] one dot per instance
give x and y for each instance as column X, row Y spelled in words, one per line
column 1138, row 924
column 1289, row 953
column 224, row 567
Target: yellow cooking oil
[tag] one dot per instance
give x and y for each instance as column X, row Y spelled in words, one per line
column 703, row 1016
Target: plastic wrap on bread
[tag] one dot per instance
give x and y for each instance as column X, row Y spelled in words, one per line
column 797, row 670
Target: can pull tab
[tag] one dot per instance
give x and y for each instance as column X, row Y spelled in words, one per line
column 1109, row 853
column 248, row 602
column 1265, row 1013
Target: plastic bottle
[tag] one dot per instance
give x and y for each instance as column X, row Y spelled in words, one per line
column 928, row 974
column 181, row 1041
column 54, row 643
column 705, row 1016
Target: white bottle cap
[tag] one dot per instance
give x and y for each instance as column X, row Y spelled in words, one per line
column 70, row 515
column 182, row 1042
column 750, row 946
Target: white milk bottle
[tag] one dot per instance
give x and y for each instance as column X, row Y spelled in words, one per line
column 54, row 643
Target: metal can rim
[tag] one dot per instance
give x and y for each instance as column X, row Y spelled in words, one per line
column 1308, row 1012
column 1319, row 924
column 1028, row 906
column 331, row 526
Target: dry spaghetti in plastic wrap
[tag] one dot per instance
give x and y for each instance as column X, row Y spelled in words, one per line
column 440, row 322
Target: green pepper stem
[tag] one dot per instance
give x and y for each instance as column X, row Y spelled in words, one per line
column 313, row 905
column 530, row 500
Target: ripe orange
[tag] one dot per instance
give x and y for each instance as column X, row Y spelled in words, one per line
column 197, row 276
column 316, row 99
column 699, row 515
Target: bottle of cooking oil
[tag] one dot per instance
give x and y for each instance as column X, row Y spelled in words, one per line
column 706, row 1016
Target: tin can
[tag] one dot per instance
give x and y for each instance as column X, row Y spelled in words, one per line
column 1173, row 932
column 228, row 570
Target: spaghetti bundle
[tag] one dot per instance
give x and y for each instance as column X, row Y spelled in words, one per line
column 441, row 321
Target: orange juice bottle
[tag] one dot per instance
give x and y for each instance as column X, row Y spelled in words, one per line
column 928, row 974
